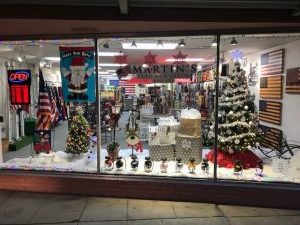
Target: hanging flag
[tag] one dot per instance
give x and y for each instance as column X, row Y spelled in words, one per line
column 272, row 63
column 270, row 111
column 271, row 87
column 114, row 83
column 129, row 88
column 15, row 108
column 293, row 81
column 78, row 73
column 43, row 121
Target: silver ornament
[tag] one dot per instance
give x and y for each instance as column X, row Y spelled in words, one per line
column 246, row 107
column 237, row 141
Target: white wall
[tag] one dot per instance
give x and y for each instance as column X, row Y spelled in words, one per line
column 3, row 96
column 290, row 123
column 52, row 74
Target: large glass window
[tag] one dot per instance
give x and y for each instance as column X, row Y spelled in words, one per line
column 50, row 105
column 258, row 129
column 156, row 98
column 157, row 101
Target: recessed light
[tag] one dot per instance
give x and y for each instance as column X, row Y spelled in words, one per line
column 150, row 46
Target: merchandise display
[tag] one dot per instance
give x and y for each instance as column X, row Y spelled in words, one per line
column 156, row 112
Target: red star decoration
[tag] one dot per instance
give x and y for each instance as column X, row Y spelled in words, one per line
column 121, row 58
column 150, row 59
column 179, row 58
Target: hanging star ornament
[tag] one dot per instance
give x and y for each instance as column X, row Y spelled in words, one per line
column 121, row 58
column 179, row 58
column 149, row 59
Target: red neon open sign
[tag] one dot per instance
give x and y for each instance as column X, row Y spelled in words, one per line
column 19, row 77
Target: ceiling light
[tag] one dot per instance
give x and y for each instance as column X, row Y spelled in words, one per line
column 181, row 43
column 233, row 41
column 103, row 72
column 151, row 46
column 106, row 45
column 112, row 64
column 186, row 60
column 159, row 43
column 20, row 59
column 214, row 43
column 110, row 53
column 133, row 44
column 55, row 59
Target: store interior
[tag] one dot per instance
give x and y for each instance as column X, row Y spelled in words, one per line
column 157, row 109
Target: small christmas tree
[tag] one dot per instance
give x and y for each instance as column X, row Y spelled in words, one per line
column 78, row 140
column 237, row 120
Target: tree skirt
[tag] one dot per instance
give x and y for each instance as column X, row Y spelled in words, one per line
column 224, row 159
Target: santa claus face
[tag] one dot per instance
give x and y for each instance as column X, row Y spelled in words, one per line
column 78, row 75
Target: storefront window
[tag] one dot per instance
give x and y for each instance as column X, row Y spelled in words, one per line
column 157, row 101
column 258, row 130
column 50, row 105
column 156, row 98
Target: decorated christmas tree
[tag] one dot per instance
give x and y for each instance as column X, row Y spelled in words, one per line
column 78, row 140
column 237, row 121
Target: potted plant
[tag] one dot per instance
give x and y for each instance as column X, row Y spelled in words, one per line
column 113, row 150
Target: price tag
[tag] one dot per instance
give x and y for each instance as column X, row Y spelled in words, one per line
column 280, row 166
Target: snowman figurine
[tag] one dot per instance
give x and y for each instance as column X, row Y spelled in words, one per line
column 91, row 155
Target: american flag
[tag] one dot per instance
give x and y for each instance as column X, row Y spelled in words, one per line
column 272, row 63
column 293, row 81
column 129, row 88
column 114, row 83
column 15, row 108
column 43, row 121
column 54, row 112
column 271, row 136
column 270, row 111
column 271, row 87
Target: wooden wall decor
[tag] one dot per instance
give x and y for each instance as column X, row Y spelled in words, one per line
column 271, row 136
column 271, row 87
column 270, row 111
column 272, row 63
column 293, row 81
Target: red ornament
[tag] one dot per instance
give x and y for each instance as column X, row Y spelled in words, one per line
column 179, row 59
column 121, row 58
column 150, row 59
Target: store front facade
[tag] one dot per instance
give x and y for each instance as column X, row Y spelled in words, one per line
column 207, row 118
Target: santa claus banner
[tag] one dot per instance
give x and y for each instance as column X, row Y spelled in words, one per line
column 78, row 74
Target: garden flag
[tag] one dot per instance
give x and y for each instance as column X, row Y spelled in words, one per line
column 78, row 74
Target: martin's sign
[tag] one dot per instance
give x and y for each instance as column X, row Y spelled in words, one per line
column 167, row 71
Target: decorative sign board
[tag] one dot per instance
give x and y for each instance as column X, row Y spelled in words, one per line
column 19, row 86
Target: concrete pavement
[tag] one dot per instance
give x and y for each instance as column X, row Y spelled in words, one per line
column 36, row 208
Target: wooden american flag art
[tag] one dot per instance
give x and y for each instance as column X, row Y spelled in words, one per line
column 270, row 111
column 271, row 87
column 272, row 63
column 293, row 81
column 271, row 137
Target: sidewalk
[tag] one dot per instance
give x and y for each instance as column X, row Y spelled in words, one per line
column 35, row 208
